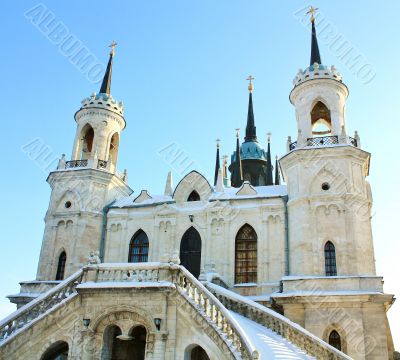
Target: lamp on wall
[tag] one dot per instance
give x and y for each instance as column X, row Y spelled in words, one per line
column 157, row 323
column 191, row 217
column 86, row 323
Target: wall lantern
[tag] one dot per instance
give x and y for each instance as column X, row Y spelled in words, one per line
column 191, row 217
column 157, row 323
column 86, row 323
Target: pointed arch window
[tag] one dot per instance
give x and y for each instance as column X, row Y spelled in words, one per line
column 321, row 119
column 139, row 248
column 335, row 340
column 62, row 259
column 246, row 255
column 194, row 196
column 330, row 259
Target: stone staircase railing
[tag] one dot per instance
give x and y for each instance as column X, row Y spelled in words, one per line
column 215, row 312
column 277, row 323
column 132, row 275
column 37, row 308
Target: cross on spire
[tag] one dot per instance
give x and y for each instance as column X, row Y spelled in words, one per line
column 250, row 79
column 112, row 46
column 312, row 10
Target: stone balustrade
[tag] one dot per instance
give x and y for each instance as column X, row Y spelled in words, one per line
column 39, row 307
column 277, row 323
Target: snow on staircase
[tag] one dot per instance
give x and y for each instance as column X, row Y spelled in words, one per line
column 243, row 308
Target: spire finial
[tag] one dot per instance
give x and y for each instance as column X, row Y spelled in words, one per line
column 218, row 141
column 250, row 79
column 237, row 132
column 112, row 46
column 312, row 10
column 269, row 137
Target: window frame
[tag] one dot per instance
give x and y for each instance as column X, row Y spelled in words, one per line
column 246, row 265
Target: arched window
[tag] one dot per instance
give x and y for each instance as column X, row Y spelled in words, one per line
column 87, row 141
column 330, row 259
column 198, row 353
column 114, row 144
column 334, row 340
column 194, row 196
column 62, row 259
column 57, row 351
column 321, row 119
column 190, row 251
column 246, row 255
column 139, row 248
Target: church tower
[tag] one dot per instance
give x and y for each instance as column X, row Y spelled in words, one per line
column 331, row 254
column 83, row 187
column 250, row 162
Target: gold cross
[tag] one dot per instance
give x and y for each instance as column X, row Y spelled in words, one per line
column 112, row 46
column 250, row 79
column 312, row 10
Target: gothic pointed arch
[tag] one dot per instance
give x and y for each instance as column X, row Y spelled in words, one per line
column 62, row 261
column 194, row 196
column 321, row 121
column 139, row 247
column 190, row 251
column 246, row 255
column 330, row 259
column 86, row 141
column 113, row 148
column 335, row 340
column 194, row 181
column 57, row 351
column 195, row 352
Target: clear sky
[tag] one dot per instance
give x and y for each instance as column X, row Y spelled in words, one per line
column 180, row 68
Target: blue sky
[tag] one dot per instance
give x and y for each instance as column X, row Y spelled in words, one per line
column 180, row 68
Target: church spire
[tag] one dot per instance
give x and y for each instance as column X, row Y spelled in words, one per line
column 237, row 178
column 270, row 180
column 217, row 164
column 315, row 56
column 250, row 127
column 106, row 84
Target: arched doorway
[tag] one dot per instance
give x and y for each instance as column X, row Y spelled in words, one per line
column 57, row 351
column 119, row 347
column 198, row 353
column 334, row 340
column 190, row 251
column 246, row 255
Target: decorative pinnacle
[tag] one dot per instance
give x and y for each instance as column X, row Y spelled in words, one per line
column 112, row 46
column 237, row 132
column 250, row 79
column 269, row 137
column 225, row 159
column 218, row 142
column 312, row 10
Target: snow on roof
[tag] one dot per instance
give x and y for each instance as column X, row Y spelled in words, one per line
column 229, row 193
column 269, row 344
column 325, row 293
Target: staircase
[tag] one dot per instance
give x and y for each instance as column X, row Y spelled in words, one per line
column 212, row 302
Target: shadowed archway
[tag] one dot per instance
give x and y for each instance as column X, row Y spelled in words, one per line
column 190, row 251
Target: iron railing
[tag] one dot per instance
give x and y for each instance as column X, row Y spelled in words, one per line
column 76, row 164
column 323, row 140
column 101, row 164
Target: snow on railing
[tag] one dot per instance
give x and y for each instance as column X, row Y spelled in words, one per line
column 38, row 307
column 293, row 332
column 137, row 275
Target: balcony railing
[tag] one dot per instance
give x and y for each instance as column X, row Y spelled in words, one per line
column 323, row 141
column 76, row 164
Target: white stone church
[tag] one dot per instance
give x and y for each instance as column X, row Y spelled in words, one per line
column 272, row 260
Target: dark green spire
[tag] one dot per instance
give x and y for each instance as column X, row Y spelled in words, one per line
column 251, row 134
column 269, row 177
column 106, row 84
column 217, row 164
column 237, row 178
column 315, row 56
